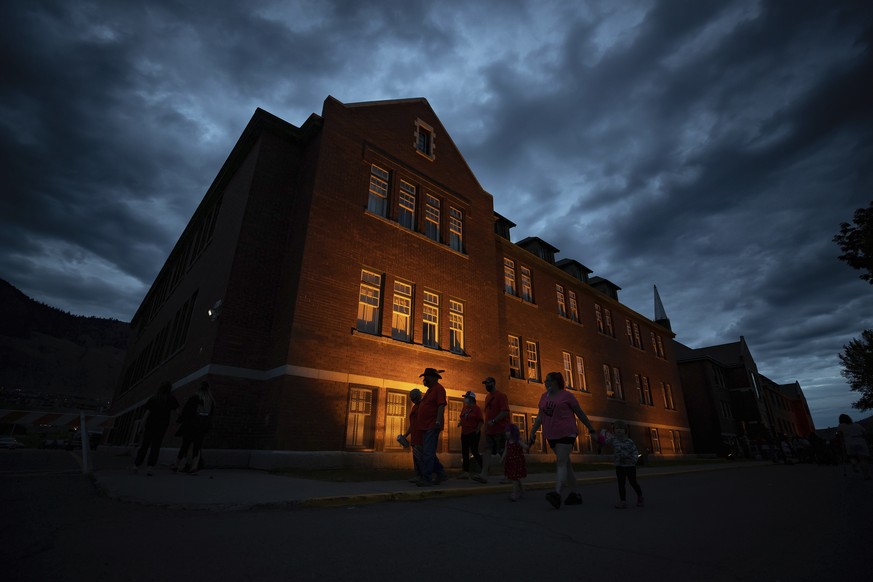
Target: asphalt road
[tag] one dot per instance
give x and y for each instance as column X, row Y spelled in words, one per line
column 768, row 523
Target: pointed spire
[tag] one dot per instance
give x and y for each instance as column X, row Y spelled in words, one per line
column 660, row 313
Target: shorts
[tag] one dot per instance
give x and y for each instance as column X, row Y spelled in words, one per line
column 562, row 441
column 495, row 443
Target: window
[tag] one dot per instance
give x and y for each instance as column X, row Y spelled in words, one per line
column 580, row 371
column 630, row 333
column 456, row 229
column 726, row 409
column 456, row 326
column 574, row 307
column 526, row 285
column 395, row 418
column 514, row 357
column 568, row 369
column 654, row 343
column 431, row 320
column 655, row 440
column 607, row 380
column 607, row 320
column 509, row 276
column 424, row 139
column 562, row 305
column 453, row 432
column 598, row 315
column 638, row 383
column 660, row 348
column 676, row 441
column 406, row 214
column 533, row 362
column 616, row 384
column 401, row 322
column 378, row 201
column 647, row 392
column 432, row 218
column 668, row 397
column 361, row 420
column 638, row 342
column 369, row 302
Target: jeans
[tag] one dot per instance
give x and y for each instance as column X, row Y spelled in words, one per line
column 629, row 473
column 430, row 464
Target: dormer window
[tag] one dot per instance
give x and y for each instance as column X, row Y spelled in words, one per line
column 424, row 139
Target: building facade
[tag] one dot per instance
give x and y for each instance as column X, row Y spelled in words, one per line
column 329, row 264
column 732, row 408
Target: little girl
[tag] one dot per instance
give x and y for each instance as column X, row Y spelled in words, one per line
column 625, row 456
column 514, row 466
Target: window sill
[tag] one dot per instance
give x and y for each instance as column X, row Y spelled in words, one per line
column 387, row 340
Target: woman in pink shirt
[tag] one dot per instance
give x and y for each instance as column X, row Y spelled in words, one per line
column 558, row 412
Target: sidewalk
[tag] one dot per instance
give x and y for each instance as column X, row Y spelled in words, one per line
column 242, row 489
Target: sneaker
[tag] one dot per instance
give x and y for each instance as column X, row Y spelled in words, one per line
column 514, row 498
column 149, row 472
column 479, row 479
column 424, row 483
column 442, row 477
column 573, row 499
column 554, row 498
column 640, row 502
column 413, row 479
column 621, row 505
column 464, row 475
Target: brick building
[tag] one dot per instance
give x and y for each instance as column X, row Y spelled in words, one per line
column 732, row 407
column 329, row 264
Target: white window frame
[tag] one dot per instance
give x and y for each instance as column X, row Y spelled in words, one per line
column 669, row 403
column 380, row 184
column 580, row 372
column 598, row 316
column 430, row 320
column 607, row 380
column 574, row 305
column 515, row 357
column 532, row 353
column 526, row 284
column 568, row 369
column 406, row 205
column 369, row 303
column 456, row 326
column 456, row 229
column 432, row 217
column 509, row 285
column 401, row 320
column 616, row 383
column 562, row 302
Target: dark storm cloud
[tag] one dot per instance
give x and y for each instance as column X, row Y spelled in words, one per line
column 711, row 148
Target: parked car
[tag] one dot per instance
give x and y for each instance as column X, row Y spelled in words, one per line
column 10, row 443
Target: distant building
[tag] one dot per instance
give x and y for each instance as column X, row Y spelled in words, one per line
column 732, row 408
column 329, row 264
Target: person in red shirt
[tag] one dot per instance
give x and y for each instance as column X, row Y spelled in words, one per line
column 430, row 419
column 471, row 424
column 496, row 420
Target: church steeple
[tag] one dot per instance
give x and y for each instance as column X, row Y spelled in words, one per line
column 660, row 313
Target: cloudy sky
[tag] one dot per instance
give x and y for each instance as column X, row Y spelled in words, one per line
column 710, row 148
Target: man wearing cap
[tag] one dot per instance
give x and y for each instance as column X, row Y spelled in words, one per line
column 430, row 417
column 470, row 423
column 496, row 420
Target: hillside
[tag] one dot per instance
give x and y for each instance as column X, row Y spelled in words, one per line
column 45, row 351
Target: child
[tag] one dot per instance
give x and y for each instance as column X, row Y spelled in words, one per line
column 625, row 455
column 514, row 466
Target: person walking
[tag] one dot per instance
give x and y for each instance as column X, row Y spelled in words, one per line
column 624, row 454
column 496, row 418
column 558, row 410
column 514, row 465
column 471, row 421
column 156, row 420
column 195, row 420
column 855, row 441
column 413, row 437
column 430, row 419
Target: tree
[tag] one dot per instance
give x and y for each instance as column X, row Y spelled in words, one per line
column 857, row 359
column 856, row 242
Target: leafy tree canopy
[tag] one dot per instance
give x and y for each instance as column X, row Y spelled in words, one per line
column 857, row 359
column 856, row 242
